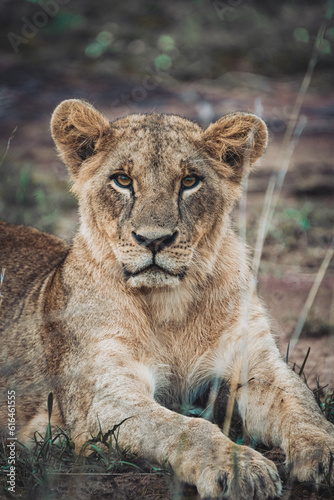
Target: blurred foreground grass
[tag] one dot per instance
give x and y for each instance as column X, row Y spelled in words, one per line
column 29, row 200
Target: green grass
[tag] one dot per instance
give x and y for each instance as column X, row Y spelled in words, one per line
column 41, row 466
column 27, row 200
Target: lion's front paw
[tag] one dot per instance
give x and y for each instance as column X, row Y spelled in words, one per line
column 249, row 475
column 311, row 457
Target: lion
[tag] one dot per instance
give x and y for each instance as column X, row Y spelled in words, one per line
column 153, row 306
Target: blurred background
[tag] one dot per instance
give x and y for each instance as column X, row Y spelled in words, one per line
column 200, row 59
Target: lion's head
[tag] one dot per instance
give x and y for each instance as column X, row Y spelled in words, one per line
column 155, row 190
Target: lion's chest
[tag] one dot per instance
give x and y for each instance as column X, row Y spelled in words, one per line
column 183, row 368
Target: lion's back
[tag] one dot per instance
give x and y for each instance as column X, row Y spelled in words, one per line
column 27, row 256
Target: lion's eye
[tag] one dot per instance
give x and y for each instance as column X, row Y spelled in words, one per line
column 122, row 180
column 190, row 181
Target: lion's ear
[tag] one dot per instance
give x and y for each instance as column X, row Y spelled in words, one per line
column 78, row 130
column 236, row 141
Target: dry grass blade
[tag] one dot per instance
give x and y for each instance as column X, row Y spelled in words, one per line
column 311, row 296
column 292, row 134
column 294, row 130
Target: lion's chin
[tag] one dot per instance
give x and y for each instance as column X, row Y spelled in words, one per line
column 153, row 276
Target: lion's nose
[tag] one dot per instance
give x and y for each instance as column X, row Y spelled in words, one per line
column 155, row 244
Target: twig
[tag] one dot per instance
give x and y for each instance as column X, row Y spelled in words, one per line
column 304, row 362
column 8, row 145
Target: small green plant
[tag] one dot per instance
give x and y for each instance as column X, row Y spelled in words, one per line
column 325, row 400
column 2, row 275
column 327, row 406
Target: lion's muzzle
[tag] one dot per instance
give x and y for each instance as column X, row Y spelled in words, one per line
column 155, row 243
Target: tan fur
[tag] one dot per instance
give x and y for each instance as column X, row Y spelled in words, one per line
column 153, row 306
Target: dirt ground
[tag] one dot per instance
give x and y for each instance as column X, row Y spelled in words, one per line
column 132, row 486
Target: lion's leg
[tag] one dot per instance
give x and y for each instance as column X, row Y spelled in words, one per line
column 279, row 409
column 197, row 450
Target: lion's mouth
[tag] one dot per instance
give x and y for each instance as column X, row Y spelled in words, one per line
column 152, row 268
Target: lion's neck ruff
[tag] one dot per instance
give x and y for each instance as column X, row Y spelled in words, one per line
column 215, row 273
